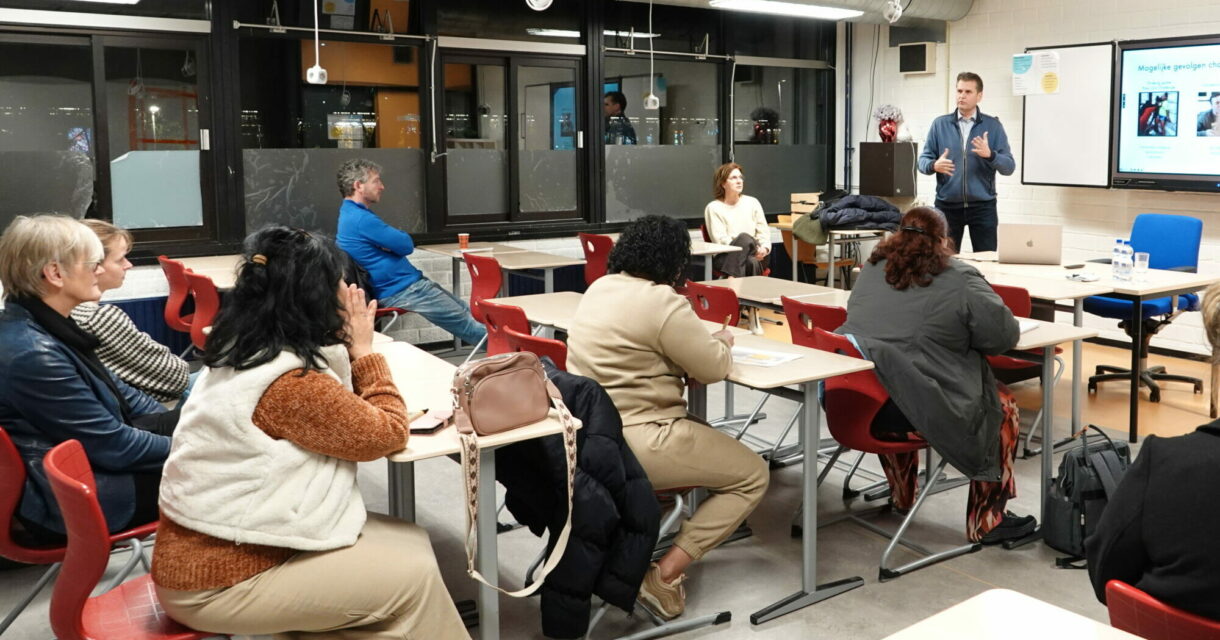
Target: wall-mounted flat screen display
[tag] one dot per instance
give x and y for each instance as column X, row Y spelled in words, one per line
column 1167, row 115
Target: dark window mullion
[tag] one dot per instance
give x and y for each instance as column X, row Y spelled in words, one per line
column 101, row 132
column 513, row 131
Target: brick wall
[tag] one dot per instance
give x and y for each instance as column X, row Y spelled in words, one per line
column 984, row 42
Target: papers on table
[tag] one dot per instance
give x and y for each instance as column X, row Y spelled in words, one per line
column 1027, row 325
column 760, row 358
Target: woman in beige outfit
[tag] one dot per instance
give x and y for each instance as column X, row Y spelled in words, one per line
column 737, row 219
column 641, row 341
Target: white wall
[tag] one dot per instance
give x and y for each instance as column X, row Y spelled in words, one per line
column 984, row 42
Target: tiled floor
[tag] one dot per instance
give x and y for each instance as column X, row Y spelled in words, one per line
column 748, row 574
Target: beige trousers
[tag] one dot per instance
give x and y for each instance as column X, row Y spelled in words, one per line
column 387, row 585
column 686, row 453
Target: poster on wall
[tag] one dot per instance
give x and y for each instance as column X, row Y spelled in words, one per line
column 342, row 13
column 1035, row 73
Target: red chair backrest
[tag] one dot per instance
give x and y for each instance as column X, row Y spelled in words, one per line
column 1016, row 299
column 703, row 230
column 88, row 553
column 497, row 318
column 713, row 303
column 179, row 289
column 1137, row 612
column 12, row 483
column 539, row 346
column 486, row 279
column 597, row 251
column 852, row 401
column 804, row 316
column 207, row 304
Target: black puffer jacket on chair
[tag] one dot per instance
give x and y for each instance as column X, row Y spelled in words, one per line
column 615, row 515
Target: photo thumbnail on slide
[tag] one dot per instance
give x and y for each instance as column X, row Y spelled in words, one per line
column 1158, row 114
column 1208, row 122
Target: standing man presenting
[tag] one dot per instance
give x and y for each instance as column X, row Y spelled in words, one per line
column 966, row 148
column 382, row 250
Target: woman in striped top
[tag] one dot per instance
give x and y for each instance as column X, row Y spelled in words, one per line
column 132, row 355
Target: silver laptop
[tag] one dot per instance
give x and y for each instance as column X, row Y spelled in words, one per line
column 1030, row 243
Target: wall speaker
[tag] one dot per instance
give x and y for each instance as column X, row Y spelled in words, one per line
column 917, row 57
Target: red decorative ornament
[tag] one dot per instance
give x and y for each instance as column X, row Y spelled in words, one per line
column 888, row 130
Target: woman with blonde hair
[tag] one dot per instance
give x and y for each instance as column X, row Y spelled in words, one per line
column 133, row 355
column 53, row 386
column 737, row 219
column 1158, row 531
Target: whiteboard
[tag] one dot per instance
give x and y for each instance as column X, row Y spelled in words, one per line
column 1066, row 135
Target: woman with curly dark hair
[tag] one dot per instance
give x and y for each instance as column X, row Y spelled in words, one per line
column 927, row 320
column 640, row 340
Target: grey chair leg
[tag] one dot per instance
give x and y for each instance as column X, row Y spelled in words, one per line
column 1033, row 428
column 887, row 573
column 43, row 581
column 475, row 349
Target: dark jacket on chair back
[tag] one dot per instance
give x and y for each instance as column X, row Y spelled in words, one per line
column 48, row 395
column 1158, row 532
column 615, row 515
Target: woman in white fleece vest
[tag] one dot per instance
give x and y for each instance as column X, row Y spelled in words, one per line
column 263, row 530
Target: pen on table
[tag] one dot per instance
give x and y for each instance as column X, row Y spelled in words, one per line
column 725, row 324
column 412, row 416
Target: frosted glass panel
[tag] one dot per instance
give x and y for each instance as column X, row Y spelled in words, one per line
column 156, row 189
column 477, row 181
column 675, row 181
column 774, row 172
column 548, row 180
column 296, row 187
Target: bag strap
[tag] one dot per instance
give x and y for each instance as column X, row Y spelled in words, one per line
column 1108, row 468
column 470, row 468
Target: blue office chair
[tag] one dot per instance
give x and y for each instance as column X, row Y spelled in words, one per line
column 1172, row 242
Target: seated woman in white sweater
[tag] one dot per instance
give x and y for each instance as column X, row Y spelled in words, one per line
column 131, row 354
column 263, row 529
column 737, row 219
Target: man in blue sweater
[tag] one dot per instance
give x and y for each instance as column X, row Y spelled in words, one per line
column 965, row 149
column 382, row 250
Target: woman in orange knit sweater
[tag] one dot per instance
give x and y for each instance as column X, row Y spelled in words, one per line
column 263, row 529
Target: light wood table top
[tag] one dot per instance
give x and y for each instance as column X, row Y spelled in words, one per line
column 221, row 269
column 701, row 248
column 1047, row 334
column 559, row 310
column 535, row 260
column 1000, row 614
column 1154, row 282
column 767, row 290
column 812, row 365
column 424, row 381
column 549, row 309
column 454, row 250
column 835, row 298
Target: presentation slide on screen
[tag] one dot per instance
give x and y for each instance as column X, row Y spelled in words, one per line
column 1169, row 113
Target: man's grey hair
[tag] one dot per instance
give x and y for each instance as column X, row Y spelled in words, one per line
column 353, row 170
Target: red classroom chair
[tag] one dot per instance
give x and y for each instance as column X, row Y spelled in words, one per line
column 129, row 611
column 803, row 317
column 179, row 289
column 207, row 304
column 498, row 318
column 1010, row 369
column 486, row 280
column 597, row 252
column 556, row 350
column 12, row 482
column 1134, row 611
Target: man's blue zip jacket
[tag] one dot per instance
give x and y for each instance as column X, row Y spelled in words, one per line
column 973, row 178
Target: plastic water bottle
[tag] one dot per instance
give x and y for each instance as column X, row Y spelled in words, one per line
column 1126, row 261
column 1118, row 244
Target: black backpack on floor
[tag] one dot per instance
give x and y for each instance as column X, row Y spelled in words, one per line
column 1088, row 475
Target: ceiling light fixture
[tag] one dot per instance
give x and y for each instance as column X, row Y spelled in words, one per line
column 565, row 33
column 113, row 1
column 787, row 9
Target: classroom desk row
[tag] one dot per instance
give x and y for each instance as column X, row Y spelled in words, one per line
column 558, row 310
